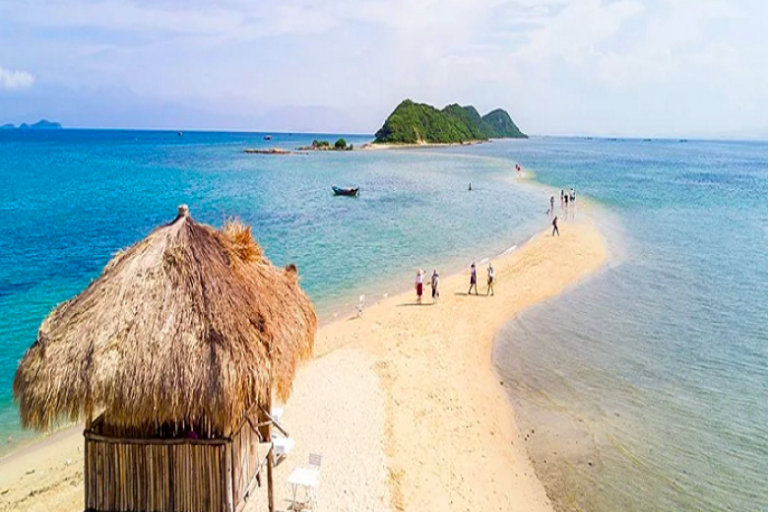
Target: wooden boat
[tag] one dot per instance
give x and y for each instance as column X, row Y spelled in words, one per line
column 339, row 191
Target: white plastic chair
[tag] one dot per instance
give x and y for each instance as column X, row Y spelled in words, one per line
column 308, row 478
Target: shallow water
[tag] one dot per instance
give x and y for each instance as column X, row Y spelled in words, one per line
column 70, row 199
column 646, row 387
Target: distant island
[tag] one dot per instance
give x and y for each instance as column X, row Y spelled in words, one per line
column 317, row 145
column 40, row 125
column 419, row 123
column 324, row 145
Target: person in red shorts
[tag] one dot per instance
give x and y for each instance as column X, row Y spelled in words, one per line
column 419, row 285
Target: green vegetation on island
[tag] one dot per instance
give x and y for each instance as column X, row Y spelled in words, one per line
column 324, row 145
column 500, row 122
column 419, row 123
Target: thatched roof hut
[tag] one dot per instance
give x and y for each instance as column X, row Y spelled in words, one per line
column 189, row 331
column 189, row 326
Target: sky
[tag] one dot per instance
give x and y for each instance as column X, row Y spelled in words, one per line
column 694, row 68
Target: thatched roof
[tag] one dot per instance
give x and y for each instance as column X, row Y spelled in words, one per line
column 189, row 324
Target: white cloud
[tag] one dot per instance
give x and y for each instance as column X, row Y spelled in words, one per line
column 13, row 79
column 573, row 34
column 165, row 20
column 559, row 66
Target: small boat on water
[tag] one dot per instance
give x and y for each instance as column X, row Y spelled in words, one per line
column 340, row 191
column 267, row 137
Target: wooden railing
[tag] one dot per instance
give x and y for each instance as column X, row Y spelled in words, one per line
column 249, row 456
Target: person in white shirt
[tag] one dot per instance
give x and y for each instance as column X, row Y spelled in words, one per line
column 419, row 285
column 491, row 279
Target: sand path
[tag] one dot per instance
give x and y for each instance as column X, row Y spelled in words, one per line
column 451, row 436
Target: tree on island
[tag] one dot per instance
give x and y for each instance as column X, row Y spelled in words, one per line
column 324, row 145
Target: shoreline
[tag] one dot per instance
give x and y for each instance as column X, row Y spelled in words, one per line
column 347, row 311
column 423, row 420
column 383, row 146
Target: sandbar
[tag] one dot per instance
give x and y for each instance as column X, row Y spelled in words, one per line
column 402, row 402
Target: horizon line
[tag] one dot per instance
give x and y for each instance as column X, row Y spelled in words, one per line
column 688, row 138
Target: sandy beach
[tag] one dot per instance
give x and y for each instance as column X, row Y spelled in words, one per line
column 381, row 146
column 402, row 402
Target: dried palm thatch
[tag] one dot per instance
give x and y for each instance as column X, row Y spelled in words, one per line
column 189, row 325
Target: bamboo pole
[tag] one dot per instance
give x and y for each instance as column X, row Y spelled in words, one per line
column 86, row 472
column 270, row 490
column 229, row 492
column 155, row 440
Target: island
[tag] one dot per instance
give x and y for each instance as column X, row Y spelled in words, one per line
column 324, row 145
column 419, row 123
column 43, row 124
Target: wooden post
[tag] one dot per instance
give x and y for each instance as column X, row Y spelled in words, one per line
column 230, row 488
column 86, row 458
column 270, row 455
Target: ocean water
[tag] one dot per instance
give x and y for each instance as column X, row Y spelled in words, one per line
column 70, row 199
column 643, row 388
column 646, row 387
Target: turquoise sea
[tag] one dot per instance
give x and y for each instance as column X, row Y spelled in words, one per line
column 70, row 199
column 643, row 388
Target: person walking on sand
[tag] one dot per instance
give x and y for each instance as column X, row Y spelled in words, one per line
column 419, row 285
column 554, row 227
column 435, row 284
column 552, row 205
column 472, row 279
column 573, row 195
column 562, row 198
column 492, row 276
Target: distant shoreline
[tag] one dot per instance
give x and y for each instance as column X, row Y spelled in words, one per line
column 380, row 146
column 271, row 151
